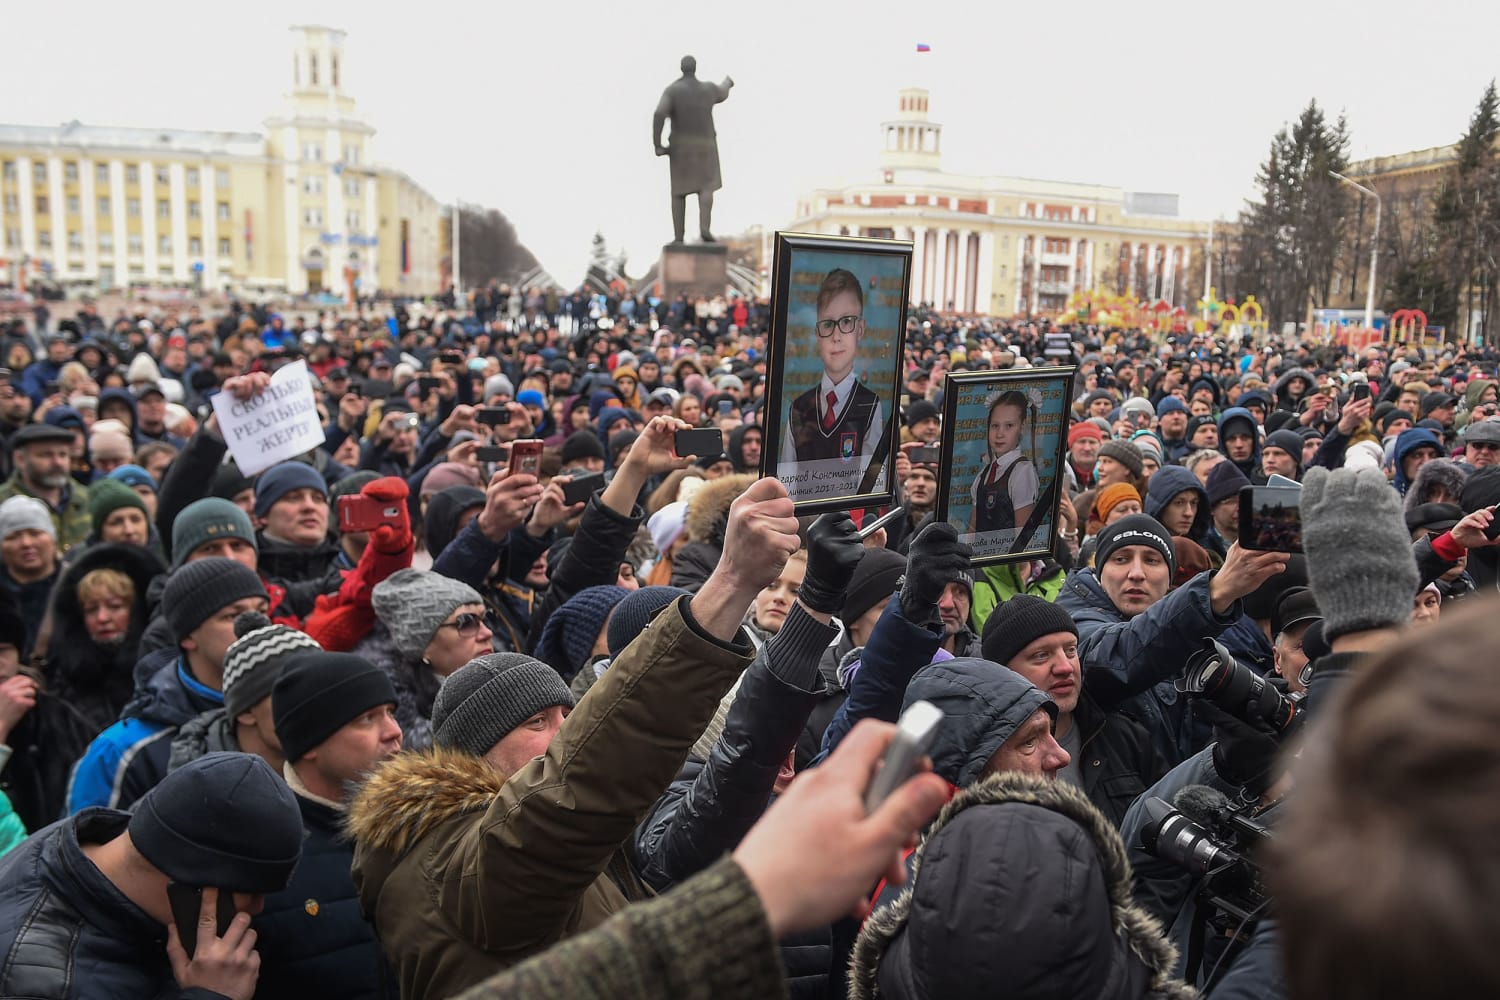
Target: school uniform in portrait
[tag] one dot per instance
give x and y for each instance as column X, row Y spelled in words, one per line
column 1003, row 487
column 833, row 431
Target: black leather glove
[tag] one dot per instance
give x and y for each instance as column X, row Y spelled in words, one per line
column 1244, row 754
column 834, row 549
column 936, row 559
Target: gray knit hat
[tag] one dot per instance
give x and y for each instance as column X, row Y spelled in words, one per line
column 491, row 695
column 412, row 604
column 202, row 588
column 25, row 513
column 1126, row 454
column 254, row 660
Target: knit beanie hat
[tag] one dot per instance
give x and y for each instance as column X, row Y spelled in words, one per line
column 1019, row 622
column 1170, row 404
column 208, row 520
column 197, row 590
column 25, row 513
column 413, row 604
column 229, row 482
column 1225, row 480
column 279, row 480
column 254, row 660
column 1288, row 441
column 1149, row 445
column 579, row 445
column 108, row 444
column 133, row 476
column 1136, row 529
column 318, row 693
column 919, row 410
column 1359, row 556
column 1111, row 497
column 572, row 629
column 226, row 820
column 446, row 474
column 107, row 496
column 876, row 577
column 352, row 483
column 1126, row 454
column 1084, row 429
column 489, row 696
column 634, row 613
column 667, row 525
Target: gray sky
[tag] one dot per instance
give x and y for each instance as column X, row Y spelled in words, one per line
column 544, row 110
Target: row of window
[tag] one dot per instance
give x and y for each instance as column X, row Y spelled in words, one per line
column 313, row 184
column 132, row 207
column 314, row 217
column 312, row 152
column 134, row 242
column 8, row 170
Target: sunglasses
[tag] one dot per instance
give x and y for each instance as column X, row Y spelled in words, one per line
column 468, row 624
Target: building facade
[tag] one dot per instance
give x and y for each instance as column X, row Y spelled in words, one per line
column 1009, row 246
column 300, row 209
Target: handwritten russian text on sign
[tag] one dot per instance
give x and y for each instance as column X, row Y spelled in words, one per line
column 273, row 426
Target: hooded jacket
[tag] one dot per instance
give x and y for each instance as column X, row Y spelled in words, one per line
column 983, row 703
column 464, row 871
column 707, row 520
column 98, row 680
column 1439, row 473
column 66, row 932
column 129, row 758
column 1406, row 442
column 1130, row 663
column 1250, row 467
column 1169, row 481
column 1291, row 403
column 1472, row 395
column 1021, row 889
column 737, row 448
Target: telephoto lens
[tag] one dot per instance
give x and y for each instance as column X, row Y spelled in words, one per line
column 1214, row 674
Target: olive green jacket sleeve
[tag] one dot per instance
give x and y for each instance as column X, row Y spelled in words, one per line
column 705, row 940
column 515, row 881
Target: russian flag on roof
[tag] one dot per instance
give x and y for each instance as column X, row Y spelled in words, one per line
column 923, row 47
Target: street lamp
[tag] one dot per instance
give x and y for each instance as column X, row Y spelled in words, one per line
column 1374, row 248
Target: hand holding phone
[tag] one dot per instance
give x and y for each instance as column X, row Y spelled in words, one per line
column 186, row 902
column 581, row 487
column 914, row 735
column 526, row 456
column 358, row 512
column 1271, row 518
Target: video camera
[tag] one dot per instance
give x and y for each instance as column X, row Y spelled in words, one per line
column 1213, row 673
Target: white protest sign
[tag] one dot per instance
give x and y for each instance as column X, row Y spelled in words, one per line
column 271, row 427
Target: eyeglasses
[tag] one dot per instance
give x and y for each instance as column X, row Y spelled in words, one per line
column 468, row 624
column 844, row 324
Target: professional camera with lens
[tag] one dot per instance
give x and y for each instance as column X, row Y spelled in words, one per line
column 1213, row 673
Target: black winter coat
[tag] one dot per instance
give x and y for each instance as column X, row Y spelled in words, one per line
column 592, row 560
column 66, row 933
column 1117, row 760
column 313, row 940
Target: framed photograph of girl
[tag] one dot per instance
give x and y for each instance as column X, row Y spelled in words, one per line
column 838, row 324
column 1004, row 438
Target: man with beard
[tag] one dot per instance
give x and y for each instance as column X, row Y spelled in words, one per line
column 43, row 457
column 918, row 495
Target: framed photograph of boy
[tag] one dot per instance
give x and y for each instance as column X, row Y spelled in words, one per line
column 1004, row 438
column 833, row 367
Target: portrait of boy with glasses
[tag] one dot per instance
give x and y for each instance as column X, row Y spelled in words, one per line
column 839, row 420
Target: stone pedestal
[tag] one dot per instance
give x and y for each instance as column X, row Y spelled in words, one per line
column 697, row 270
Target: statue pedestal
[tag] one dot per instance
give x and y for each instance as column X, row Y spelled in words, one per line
column 697, row 270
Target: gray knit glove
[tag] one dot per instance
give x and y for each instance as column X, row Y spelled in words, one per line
column 1359, row 556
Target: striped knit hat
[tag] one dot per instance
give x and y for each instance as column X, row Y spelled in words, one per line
column 254, row 660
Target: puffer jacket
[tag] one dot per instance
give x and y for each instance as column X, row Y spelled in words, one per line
column 1021, row 889
column 97, row 680
column 994, row 585
column 128, row 759
column 313, row 941
column 1117, row 760
column 305, row 570
column 1131, row 663
column 211, row 732
column 713, row 803
column 465, row 871
column 66, row 933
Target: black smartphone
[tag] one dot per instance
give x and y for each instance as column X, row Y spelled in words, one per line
column 451, row 358
column 1493, row 531
column 582, row 487
column 494, row 416
column 186, row 901
column 1271, row 518
column 1358, row 391
column 427, row 384
column 701, row 442
column 50, row 388
column 492, row 453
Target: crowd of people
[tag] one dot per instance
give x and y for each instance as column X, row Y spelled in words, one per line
column 603, row 725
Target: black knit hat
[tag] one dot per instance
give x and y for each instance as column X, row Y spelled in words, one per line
column 317, row 694
column 876, row 577
column 919, row 410
column 489, row 696
column 1136, row 529
column 1126, row 454
column 581, row 444
column 1019, row 622
column 196, row 590
column 1225, row 480
column 226, row 820
column 634, row 613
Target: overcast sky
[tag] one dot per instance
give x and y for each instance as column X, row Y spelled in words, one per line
column 544, row 109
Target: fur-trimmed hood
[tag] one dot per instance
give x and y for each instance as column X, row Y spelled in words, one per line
column 414, row 793
column 1442, row 472
column 708, row 510
column 1020, row 889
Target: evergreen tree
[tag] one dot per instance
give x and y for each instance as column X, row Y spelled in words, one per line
column 1466, row 220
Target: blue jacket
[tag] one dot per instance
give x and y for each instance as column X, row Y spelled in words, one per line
column 35, row 378
column 1131, row 663
column 66, row 933
column 128, row 759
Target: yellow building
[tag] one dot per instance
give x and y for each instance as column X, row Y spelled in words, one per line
column 301, row 209
column 1008, row 246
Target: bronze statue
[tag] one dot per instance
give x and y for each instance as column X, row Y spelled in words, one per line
column 694, row 148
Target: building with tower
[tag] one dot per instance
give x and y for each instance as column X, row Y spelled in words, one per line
column 1008, row 246
column 302, row 208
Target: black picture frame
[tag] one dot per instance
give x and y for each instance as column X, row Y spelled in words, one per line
column 966, row 502
column 827, row 476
